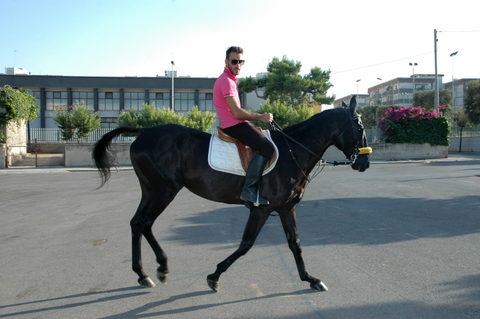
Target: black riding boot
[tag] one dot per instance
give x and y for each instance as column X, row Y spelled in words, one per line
column 250, row 192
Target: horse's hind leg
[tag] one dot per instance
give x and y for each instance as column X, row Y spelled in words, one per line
column 151, row 206
column 289, row 223
column 258, row 217
column 137, row 267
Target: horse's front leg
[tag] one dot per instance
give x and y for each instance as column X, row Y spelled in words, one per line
column 289, row 223
column 258, row 217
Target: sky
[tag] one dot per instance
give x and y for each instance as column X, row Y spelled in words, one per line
column 355, row 40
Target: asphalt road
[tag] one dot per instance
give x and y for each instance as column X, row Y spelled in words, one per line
column 398, row 241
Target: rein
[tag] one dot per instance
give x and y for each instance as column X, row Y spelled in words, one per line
column 277, row 127
column 353, row 157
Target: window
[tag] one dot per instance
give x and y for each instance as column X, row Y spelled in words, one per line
column 55, row 98
column 36, row 95
column 86, row 97
column 109, row 122
column 184, row 101
column 109, row 101
column 133, row 100
column 205, row 102
column 161, row 100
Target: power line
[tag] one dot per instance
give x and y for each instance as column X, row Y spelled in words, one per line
column 460, row 31
column 382, row 63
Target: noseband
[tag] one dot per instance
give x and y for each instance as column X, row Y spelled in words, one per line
column 357, row 150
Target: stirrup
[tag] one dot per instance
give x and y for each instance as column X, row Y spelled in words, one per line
column 255, row 203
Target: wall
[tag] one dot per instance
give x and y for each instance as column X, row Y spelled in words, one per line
column 469, row 144
column 3, row 153
column 394, row 152
column 16, row 142
column 80, row 155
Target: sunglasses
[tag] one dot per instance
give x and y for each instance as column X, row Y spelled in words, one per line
column 235, row 61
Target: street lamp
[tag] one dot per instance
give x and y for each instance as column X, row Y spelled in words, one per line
column 380, row 90
column 413, row 65
column 357, row 84
column 173, row 88
column 453, row 81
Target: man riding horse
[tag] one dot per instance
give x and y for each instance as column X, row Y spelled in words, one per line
column 234, row 121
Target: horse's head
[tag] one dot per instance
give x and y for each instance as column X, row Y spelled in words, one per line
column 352, row 141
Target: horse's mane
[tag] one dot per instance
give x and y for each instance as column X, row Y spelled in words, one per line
column 316, row 118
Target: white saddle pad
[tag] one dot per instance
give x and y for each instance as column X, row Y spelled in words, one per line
column 223, row 156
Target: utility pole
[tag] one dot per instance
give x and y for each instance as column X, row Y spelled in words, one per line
column 437, row 93
column 173, row 88
column 453, row 81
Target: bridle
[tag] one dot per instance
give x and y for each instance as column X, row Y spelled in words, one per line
column 352, row 159
column 357, row 150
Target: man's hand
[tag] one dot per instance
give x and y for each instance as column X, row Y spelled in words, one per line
column 266, row 117
column 242, row 114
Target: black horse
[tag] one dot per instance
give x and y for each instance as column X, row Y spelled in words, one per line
column 167, row 158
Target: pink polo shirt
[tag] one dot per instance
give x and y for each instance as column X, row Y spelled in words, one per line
column 225, row 86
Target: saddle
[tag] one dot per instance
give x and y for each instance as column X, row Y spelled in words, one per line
column 246, row 153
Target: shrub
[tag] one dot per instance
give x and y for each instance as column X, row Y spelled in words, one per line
column 371, row 114
column 200, row 120
column 76, row 120
column 63, row 118
column 414, row 125
column 16, row 105
column 283, row 114
column 150, row 116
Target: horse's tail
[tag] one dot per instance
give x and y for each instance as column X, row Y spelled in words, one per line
column 102, row 155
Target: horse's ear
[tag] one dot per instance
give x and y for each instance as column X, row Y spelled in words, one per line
column 343, row 104
column 353, row 104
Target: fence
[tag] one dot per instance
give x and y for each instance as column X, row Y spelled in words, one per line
column 466, row 132
column 53, row 135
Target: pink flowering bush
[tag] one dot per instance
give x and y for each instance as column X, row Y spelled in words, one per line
column 415, row 125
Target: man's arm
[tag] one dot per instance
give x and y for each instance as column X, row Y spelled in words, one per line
column 242, row 114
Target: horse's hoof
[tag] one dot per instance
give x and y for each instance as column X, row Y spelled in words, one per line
column 163, row 277
column 212, row 283
column 319, row 286
column 146, row 282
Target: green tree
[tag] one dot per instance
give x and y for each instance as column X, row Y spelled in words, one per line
column 426, row 99
column 200, row 120
column 461, row 120
column 472, row 102
column 85, row 120
column 150, row 116
column 284, row 83
column 284, row 115
column 76, row 120
column 16, row 105
column 372, row 114
column 128, row 118
column 63, row 118
column 369, row 115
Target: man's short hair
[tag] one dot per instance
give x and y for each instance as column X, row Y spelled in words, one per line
column 238, row 50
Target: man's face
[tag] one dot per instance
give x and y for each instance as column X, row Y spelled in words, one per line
column 233, row 64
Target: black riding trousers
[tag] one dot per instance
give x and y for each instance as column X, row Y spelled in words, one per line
column 247, row 134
